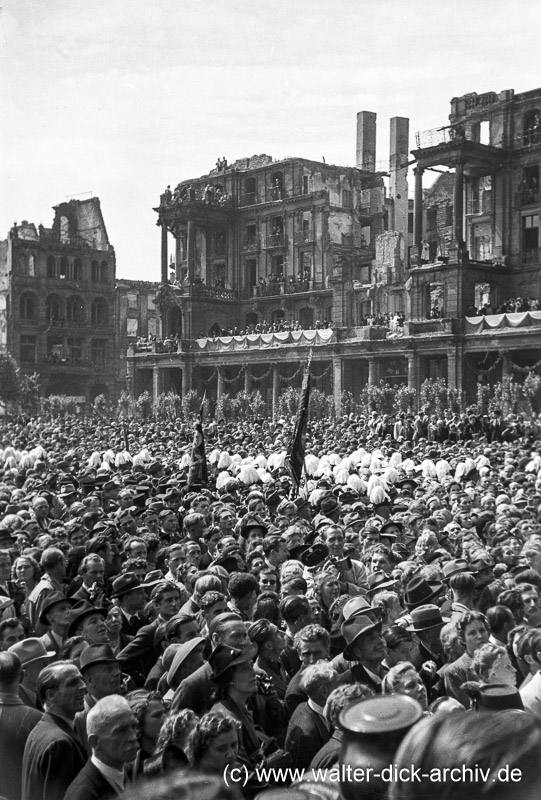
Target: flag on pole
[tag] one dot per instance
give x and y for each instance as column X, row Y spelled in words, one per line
column 198, row 462
column 295, row 454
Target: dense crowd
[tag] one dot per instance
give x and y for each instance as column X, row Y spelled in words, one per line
column 155, row 631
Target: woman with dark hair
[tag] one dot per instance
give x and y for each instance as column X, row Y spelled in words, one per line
column 473, row 631
column 214, row 743
column 235, row 679
column 149, row 712
column 268, row 607
column 270, row 642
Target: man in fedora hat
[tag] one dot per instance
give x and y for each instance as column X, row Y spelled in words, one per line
column 102, row 676
column 33, row 657
column 131, row 598
column 366, row 647
column 88, row 622
column 53, row 563
column 427, row 623
column 419, row 592
column 56, row 616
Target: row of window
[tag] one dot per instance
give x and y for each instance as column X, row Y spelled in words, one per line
column 59, row 352
column 64, row 268
column 74, row 311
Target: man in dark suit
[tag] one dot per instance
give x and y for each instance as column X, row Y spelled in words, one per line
column 53, row 756
column 112, row 736
column 131, row 599
column 16, row 722
column 308, row 730
column 140, row 655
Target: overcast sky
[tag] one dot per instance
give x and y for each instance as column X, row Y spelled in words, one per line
column 121, row 97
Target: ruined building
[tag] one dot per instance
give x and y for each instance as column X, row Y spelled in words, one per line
column 57, row 301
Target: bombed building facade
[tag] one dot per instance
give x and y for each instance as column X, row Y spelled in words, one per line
column 258, row 258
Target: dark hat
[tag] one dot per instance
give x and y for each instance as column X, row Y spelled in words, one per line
column 479, row 564
column 419, row 592
column 78, row 613
column 395, row 635
column 97, row 654
column 355, row 606
column 153, row 578
column 182, row 653
column 352, row 519
column 453, row 567
column 250, row 521
column 329, row 504
column 426, row 617
column 223, row 658
column 229, row 563
column 125, row 583
column 389, row 524
column 352, row 630
column 378, row 581
column 498, row 697
column 314, row 555
column 53, row 600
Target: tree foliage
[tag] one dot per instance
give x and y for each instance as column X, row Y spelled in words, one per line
column 9, row 379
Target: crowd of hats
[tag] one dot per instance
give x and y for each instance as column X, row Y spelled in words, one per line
column 435, row 510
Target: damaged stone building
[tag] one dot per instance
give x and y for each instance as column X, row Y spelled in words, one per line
column 258, row 242
column 57, row 301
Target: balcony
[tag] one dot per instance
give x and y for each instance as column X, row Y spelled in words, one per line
column 277, row 288
column 305, row 236
column 250, row 244
column 249, row 199
column 275, row 241
column 274, row 194
column 531, row 255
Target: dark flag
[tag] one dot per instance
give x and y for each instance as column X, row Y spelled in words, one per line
column 198, row 473
column 295, row 455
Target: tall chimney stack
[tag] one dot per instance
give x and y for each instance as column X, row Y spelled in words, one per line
column 398, row 173
column 366, row 141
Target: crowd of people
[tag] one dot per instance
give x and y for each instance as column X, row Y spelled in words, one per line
column 156, row 632
column 515, row 305
column 209, row 194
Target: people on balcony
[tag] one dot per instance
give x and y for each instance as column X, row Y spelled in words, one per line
column 515, row 305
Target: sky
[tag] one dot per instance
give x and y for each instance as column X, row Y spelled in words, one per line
column 118, row 98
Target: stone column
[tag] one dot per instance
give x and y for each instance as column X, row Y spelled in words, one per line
column 418, row 209
column 186, row 379
column 275, row 388
column 247, row 380
column 373, row 371
column 191, row 250
column 413, row 371
column 157, row 382
column 220, row 383
column 337, row 384
column 507, row 371
column 458, row 204
column 451, row 369
column 165, row 265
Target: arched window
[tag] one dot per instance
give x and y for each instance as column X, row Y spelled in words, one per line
column 77, row 270
column 103, row 271
column 64, row 267
column 100, row 313
column 53, row 308
column 27, row 307
column 51, row 267
column 64, row 230
column 75, row 309
column 95, row 272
